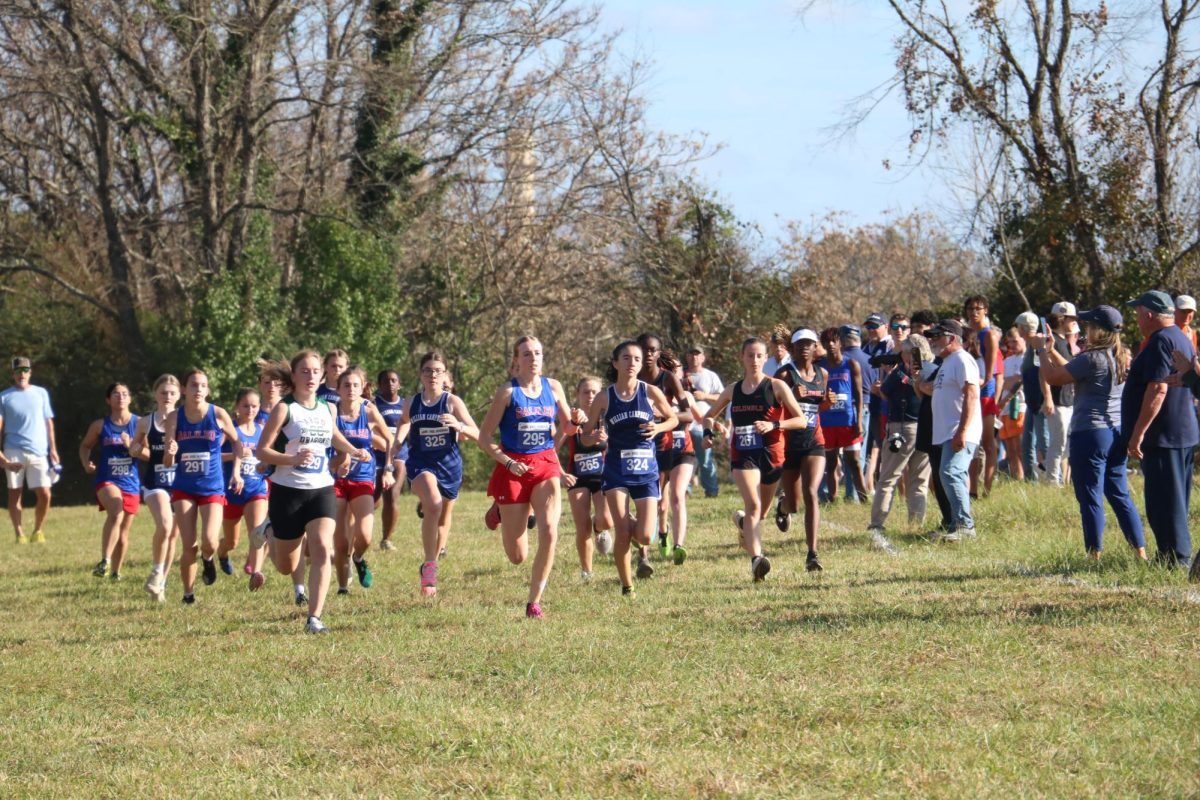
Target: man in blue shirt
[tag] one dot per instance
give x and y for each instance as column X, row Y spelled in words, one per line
column 1160, row 427
column 27, row 441
column 851, row 336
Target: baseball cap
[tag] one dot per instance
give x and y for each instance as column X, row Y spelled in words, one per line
column 946, row 326
column 805, row 335
column 1155, row 301
column 1185, row 302
column 1027, row 321
column 696, row 349
column 1063, row 309
column 874, row 320
column 21, row 362
column 1106, row 317
column 850, row 330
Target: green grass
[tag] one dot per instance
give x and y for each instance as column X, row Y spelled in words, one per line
column 997, row 667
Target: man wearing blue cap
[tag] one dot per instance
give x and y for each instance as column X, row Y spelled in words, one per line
column 1163, row 433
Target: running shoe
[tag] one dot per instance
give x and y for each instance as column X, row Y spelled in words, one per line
column 22, row 538
column 101, row 568
column 530, row 523
column 258, row 534
column 189, row 599
column 604, row 543
column 585, row 575
column 209, row 570
column 679, row 555
column 248, row 568
column 492, row 518
column 365, row 578
column 257, row 579
column 947, row 536
column 301, row 598
column 386, row 544
column 441, row 554
column 226, row 566
column 314, row 625
column 739, row 517
column 644, row 568
column 628, row 593
column 783, row 520
column 534, row 611
column 881, row 542
column 420, row 511
column 39, row 537
column 759, row 567
column 343, row 590
column 664, row 545
column 154, row 586
column 114, row 577
column 969, row 532
column 428, row 573
column 812, row 563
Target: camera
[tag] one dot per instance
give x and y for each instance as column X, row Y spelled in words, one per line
column 885, row 360
column 896, row 442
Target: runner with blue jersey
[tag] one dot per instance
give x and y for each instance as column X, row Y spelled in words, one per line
column 354, row 490
column 149, row 444
column 198, row 495
column 251, row 502
column 841, row 424
column 524, row 410
column 629, row 409
column 585, row 464
column 391, row 407
column 432, row 423
column 118, row 486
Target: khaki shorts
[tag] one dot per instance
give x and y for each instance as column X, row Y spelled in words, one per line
column 34, row 472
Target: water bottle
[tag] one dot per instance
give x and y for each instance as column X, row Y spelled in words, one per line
column 55, row 472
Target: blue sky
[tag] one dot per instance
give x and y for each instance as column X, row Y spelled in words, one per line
column 767, row 84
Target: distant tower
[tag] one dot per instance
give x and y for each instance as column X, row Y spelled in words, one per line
column 520, row 170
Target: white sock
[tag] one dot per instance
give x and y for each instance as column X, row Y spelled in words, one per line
column 157, row 569
column 299, row 588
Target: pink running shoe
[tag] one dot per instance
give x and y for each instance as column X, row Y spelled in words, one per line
column 257, row 579
column 534, row 611
column 429, row 578
column 492, row 517
column 248, row 569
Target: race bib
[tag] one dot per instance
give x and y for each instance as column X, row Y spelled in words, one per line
column 747, row 437
column 163, row 476
column 678, row 439
column 841, row 402
column 534, row 434
column 588, row 465
column 249, row 466
column 639, row 462
column 434, row 438
column 194, row 463
column 319, row 463
column 120, row 467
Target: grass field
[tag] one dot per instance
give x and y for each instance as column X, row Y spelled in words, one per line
column 997, row 667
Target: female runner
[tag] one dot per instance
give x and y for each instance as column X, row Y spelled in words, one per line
column 756, row 449
column 118, row 486
column 585, row 465
column 354, row 489
column 335, row 363
column 804, row 453
column 149, row 444
column 199, row 488
column 431, row 425
column 527, row 471
column 251, row 502
column 391, row 406
column 301, row 506
column 629, row 409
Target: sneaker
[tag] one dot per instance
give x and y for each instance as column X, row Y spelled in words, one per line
column 585, row 575
column 189, row 599
column 39, row 537
column 759, row 567
column 258, row 534
column 365, row 578
column 881, row 542
column 604, row 543
column 969, row 532
column 628, row 593
column 314, row 625
column 783, row 520
column 301, row 598
column 428, row 573
column 664, row 545
column 947, row 536
column 248, row 568
column 739, row 517
column 441, row 554
column 257, row 579
column 101, row 568
column 154, row 586
column 386, row 544
column 209, row 571
column 534, row 611
column 226, row 566
column 114, row 577
column 812, row 563
column 420, row 511
column 492, row 518
column 679, row 555
column 22, row 539
column 644, row 569
column 343, row 590
column 531, row 523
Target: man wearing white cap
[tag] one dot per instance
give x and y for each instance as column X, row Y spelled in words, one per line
column 1185, row 311
column 1058, row 405
column 705, row 386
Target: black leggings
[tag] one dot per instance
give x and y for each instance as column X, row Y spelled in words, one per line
column 935, row 464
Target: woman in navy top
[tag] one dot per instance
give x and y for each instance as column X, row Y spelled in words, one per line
column 629, row 408
column 198, row 497
column 118, row 486
column 391, row 406
column 149, row 444
column 585, row 464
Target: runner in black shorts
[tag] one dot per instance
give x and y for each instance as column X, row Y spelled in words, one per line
column 804, row 452
column 585, row 465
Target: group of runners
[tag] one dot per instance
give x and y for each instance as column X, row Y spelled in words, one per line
column 305, row 459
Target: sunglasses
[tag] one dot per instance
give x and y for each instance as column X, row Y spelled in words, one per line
column 896, row 326
column 22, row 369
